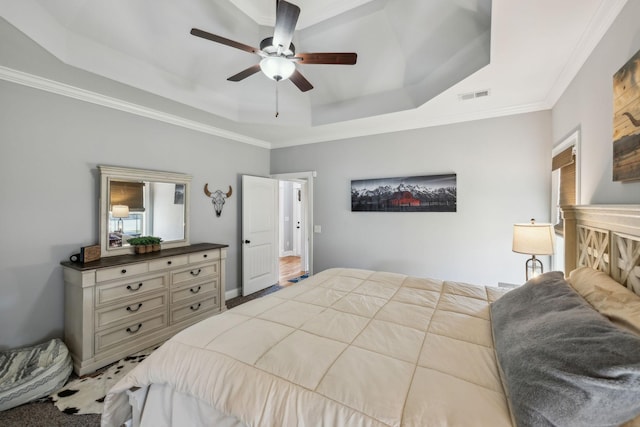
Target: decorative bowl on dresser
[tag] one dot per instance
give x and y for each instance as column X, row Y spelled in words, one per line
column 122, row 304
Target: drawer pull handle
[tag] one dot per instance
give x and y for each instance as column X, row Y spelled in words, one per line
column 132, row 289
column 204, row 256
column 131, row 331
column 196, row 273
column 196, row 290
column 123, row 271
column 133, row 310
column 168, row 262
column 195, row 307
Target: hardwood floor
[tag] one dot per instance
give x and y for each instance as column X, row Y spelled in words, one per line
column 290, row 268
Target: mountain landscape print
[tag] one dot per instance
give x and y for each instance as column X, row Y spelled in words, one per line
column 430, row 193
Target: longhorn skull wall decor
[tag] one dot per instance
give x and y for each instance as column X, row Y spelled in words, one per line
column 217, row 198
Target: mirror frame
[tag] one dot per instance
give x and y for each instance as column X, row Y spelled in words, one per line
column 114, row 173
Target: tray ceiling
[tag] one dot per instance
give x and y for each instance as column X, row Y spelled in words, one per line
column 415, row 58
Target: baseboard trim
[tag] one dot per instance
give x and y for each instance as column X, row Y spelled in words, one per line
column 232, row 293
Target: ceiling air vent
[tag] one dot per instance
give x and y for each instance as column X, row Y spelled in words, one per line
column 472, row 95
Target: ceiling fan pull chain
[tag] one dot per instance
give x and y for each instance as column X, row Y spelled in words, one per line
column 277, row 113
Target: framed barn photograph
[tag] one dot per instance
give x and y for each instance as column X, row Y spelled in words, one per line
column 626, row 121
column 429, row 193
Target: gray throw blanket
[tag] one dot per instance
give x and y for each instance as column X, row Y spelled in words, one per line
column 563, row 363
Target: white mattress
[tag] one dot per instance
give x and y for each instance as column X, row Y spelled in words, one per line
column 343, row 348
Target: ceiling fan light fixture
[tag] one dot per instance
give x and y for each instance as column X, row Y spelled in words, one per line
column 277, row 67
column 278, row 53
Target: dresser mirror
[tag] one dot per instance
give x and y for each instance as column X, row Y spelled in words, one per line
column 137, row 202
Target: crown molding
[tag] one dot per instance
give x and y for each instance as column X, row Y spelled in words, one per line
column 381, row 126
column 52, row 86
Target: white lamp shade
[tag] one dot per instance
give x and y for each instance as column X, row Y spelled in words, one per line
column 277, row 67
column 120, row 211
column 533, row 239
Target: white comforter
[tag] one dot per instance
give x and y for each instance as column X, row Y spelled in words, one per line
column 343, row 348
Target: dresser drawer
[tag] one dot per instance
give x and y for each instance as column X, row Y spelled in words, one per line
column 194, row 273
column 194, row 290
column 129, row 332
column 121, row 272
column 204, row 256
column 169, row 262
column 193, row 309
column 129, row 290
column 130, row 311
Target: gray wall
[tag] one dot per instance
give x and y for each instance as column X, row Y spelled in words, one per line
column 49, row 190
column 588, row 104
column 503, row 177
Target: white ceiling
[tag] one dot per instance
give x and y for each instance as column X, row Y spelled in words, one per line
column 415, row 57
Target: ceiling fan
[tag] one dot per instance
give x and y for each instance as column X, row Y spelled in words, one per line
column 278, row 53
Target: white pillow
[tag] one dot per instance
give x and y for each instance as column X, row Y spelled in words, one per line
column 611, row 299
column 607, row 296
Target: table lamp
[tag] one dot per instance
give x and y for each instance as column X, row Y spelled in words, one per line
column 533, row 239
column 120, row 211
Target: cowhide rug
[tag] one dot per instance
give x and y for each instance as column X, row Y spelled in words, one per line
column 86, row 395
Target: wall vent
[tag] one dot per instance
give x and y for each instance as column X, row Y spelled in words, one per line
column 473, row 95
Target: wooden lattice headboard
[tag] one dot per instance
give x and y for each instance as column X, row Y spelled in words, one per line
column 606, row 238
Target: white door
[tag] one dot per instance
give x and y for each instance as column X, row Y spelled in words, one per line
column 259, row 233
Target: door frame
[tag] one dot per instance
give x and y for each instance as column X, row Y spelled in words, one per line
column 307, row 208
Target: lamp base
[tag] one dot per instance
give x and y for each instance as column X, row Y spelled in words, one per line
column 533, row 267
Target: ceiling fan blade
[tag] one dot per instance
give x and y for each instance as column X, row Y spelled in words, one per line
column 298, row 79
column 218, row 39
column 344, row 58
column 286, row 19
column 245, row 73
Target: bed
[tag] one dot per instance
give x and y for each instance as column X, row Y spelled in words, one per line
column 351, row 347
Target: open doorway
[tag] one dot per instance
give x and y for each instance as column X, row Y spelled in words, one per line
column 290, row 236
column 295, row 221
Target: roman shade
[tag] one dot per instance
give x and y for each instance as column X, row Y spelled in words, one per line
column 565, row 162
column 126, row 193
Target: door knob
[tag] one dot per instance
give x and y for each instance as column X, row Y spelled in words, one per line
column 247, row 241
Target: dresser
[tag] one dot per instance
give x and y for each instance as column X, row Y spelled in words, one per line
column 122, row 304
